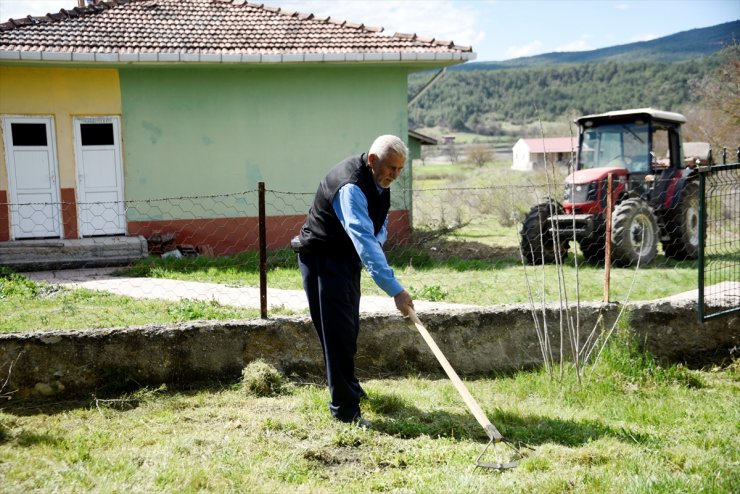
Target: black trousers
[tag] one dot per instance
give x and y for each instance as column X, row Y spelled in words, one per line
column 332, row 286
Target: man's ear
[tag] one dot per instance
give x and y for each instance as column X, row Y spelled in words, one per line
column 372, row 158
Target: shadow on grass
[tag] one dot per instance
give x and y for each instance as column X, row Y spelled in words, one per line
column 120, row 400
column 408, row 421
column 26, row 439
column 395, row 416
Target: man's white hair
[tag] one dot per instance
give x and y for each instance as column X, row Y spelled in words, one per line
column 389, row 144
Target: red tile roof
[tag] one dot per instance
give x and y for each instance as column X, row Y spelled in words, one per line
column 207, row 30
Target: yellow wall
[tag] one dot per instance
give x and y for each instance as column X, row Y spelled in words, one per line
column 64, row 94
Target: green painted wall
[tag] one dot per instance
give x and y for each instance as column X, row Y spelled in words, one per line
column 414, row 149
column 214, row 130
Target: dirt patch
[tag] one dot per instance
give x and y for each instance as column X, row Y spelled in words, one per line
column 441, row 248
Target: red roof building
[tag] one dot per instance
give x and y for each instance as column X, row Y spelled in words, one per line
column 127, row 117
column 531, row 153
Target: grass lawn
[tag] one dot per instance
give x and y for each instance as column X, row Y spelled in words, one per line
column 29, row 306
column 496, row 278
column 634, row 427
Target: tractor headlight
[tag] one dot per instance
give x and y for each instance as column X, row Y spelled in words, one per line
column 577, row 193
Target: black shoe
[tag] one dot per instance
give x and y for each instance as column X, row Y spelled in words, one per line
column 359, row 421
column 362, row 423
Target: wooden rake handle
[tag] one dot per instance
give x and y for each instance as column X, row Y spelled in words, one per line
column 493, row 434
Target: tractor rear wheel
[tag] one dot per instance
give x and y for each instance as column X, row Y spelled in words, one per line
column 537, row 238
column 634, row 233
column 682, row 225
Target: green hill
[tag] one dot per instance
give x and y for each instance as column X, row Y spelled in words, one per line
column 660, row 73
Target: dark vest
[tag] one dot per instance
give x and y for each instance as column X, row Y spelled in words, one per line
column 323, row 233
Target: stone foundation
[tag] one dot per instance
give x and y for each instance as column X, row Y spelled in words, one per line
column 476, row 342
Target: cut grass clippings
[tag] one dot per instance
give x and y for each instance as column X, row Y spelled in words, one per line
column 635, row 427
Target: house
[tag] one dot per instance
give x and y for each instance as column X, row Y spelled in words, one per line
column 129, row 117
column 531, row 153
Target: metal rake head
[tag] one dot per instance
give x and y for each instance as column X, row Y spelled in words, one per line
column 505, row 454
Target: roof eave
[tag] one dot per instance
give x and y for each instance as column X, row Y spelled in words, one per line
column 230, row 58
column 422, row 138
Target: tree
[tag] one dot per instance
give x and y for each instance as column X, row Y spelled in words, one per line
column 480, row 154
column 452, row 151
column 716, row 117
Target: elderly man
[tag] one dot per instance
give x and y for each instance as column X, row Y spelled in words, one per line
column 345, row 229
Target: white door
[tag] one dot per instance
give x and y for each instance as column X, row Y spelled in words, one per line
column 99, row 176
column 32, row 173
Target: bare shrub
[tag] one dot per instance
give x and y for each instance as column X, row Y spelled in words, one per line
column 453, row 152
column 507, row 205
column 479, row 154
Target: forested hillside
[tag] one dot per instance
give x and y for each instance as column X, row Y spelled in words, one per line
column 481, row 100
column 662, row 73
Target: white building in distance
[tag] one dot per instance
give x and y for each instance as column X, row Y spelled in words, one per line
column 529, row 154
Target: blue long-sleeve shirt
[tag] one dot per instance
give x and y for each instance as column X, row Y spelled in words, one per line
column 350, row 205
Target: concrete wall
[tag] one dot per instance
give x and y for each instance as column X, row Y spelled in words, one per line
column 479, row 342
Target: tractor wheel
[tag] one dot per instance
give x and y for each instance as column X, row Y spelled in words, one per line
column 634, row 233
column 536, row 236
column 593, row 248
column 682, row 225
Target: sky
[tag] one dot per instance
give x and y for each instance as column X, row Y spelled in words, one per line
column 496, row 29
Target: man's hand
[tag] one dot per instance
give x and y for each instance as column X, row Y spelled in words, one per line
column 404, row 302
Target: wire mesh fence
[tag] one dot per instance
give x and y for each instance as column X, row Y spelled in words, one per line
column 719, row 253
column 484, row 236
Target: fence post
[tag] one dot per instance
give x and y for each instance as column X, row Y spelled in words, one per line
column 608, row 238
column 263, row 251
column 702, row 240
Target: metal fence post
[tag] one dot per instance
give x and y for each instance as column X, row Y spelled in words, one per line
column 263, row 252
column 608, row 238
column 702, row 240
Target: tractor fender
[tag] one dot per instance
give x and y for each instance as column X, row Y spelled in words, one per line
column 673, row 192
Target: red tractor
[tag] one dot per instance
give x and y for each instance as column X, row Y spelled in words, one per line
column 654, row 192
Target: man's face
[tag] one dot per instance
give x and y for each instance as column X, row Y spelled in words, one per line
column 385, row 172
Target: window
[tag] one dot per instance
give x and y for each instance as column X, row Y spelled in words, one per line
column 28, row 134
column 624, row 145
column 96, row 134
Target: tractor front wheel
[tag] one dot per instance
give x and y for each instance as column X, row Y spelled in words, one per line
column 593, row 247
column 537, row 239
column 682, row 225
column 634, row 233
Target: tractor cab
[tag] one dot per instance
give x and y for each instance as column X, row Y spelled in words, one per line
column 640, row 148
column 653, row 194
